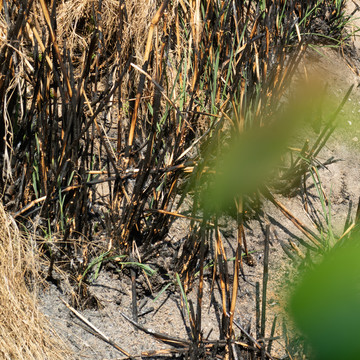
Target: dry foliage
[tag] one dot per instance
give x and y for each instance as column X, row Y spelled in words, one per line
column 24, row 332
column 77, row 20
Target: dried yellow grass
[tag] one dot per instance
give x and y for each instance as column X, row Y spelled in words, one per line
column 76, row 23
column 24, row 331
column 3, row 30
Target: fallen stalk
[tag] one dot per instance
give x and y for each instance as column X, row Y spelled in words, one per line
column 100, row 334
column 159, row 336
column 292, row 218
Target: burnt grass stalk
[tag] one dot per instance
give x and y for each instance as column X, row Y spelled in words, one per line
column 97, row 140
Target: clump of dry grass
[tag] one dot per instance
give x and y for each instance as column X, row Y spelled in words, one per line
column 78, row 18
column 24, row 332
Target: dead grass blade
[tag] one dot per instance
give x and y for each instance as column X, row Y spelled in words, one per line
column 174, row 341
column 56, row 47
column 307, row 232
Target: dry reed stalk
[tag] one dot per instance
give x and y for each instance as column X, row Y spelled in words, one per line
column 24, row 331
column 155, row 20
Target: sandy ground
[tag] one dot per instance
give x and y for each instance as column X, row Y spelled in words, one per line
column 341, row 185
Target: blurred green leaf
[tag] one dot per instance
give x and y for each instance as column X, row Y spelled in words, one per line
column 248, row 162
column 326, row 304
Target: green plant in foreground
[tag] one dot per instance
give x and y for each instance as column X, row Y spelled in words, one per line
column 325, row 305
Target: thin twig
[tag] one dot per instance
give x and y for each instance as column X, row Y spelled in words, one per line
column 95, row 329
column 160, row 336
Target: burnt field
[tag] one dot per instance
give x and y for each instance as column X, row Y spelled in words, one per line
column 167, row 166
